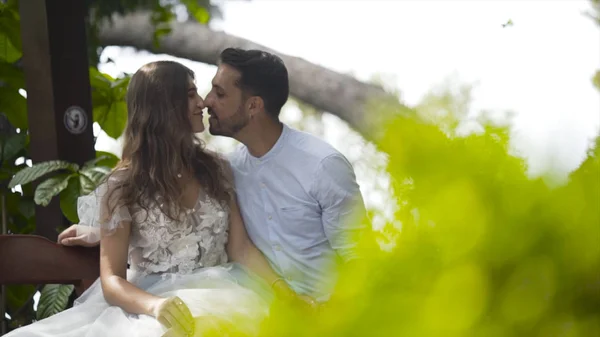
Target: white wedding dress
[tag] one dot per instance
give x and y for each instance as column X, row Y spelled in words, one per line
column 185, row 258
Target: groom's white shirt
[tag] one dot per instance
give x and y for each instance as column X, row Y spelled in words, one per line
column 295, row 201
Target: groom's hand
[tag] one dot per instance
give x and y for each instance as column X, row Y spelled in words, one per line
column 69, row 237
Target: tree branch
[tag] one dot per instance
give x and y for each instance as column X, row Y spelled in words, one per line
column 339, row 94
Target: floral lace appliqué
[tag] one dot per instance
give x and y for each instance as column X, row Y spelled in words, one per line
column 161, row 245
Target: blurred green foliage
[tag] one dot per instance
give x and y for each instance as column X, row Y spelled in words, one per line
column 483, row 249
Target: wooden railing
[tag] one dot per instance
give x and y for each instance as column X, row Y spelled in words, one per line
column 32, row 259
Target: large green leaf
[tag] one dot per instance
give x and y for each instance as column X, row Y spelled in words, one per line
column 68, row 199
column 14, row 106
column 54, row 298
column 108, row 100
column 29, row 174
column 51, row 187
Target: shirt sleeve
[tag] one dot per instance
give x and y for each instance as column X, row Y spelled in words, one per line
column 343, row 210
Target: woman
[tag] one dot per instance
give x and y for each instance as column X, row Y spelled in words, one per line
column 169, row 210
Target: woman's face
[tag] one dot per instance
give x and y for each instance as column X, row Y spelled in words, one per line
column 195, row 107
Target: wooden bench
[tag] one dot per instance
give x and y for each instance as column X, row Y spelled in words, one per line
column 33, row 259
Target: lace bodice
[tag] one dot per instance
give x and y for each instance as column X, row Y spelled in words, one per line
column 158, row 244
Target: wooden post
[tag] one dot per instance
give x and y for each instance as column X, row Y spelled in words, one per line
column 59, row 104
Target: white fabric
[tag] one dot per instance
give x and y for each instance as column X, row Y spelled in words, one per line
column 225, row 291
column 185, row 258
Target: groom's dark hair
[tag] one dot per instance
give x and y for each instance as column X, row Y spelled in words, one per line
column 262, row 74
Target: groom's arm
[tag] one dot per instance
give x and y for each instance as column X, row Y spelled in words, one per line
column 343, row 210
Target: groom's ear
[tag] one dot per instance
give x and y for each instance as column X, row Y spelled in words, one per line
column 255, row 105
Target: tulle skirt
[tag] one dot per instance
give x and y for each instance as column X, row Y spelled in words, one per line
column 215, row 295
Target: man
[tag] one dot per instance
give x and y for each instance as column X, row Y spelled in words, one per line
column 298, row 195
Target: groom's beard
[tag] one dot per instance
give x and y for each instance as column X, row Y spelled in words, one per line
column 229, row 126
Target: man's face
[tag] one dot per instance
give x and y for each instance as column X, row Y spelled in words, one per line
column 226, row 104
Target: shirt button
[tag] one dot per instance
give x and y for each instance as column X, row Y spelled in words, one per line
column 277, row 247
column 270, row 217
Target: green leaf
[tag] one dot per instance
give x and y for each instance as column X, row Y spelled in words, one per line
column 90, row 178
column 200, row 13
column 29, row 174
column 8, row 52
column 10, row 34
column 14, row 106
column 108, row 101
column 51, row 187
column 68, row 199
column 54, row 298
column 116, row 120
column 119, row 87
column 11, row 75
column 105, row 159
column 100, row 80
column 12, row 145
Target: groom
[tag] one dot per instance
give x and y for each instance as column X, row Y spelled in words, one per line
column 298, row 195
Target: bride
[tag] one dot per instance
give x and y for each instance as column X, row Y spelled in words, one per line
column 169, row 211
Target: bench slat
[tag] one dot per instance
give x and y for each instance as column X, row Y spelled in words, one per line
column 33, row 259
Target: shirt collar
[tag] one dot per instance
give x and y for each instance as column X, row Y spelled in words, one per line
column 274, row 150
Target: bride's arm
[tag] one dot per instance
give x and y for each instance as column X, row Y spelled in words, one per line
column 113, row 275
column 171, row 312
column 242, row 250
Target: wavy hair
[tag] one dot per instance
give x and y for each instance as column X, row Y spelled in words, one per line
column 159, row 143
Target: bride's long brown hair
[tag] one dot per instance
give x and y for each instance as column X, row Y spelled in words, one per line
column 159, row 143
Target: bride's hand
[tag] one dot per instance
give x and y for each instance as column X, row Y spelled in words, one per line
column 174, row 314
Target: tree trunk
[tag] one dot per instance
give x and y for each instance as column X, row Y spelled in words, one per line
column 326, row 90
